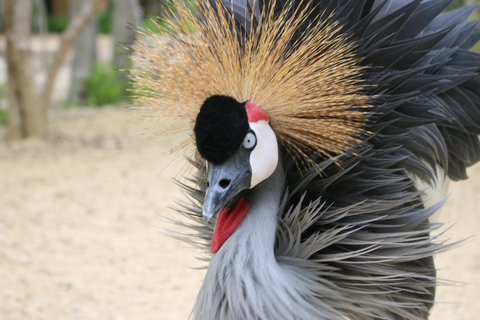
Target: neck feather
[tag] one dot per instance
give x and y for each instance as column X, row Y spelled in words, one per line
column 244, row 279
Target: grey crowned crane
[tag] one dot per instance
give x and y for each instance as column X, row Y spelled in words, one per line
column 322, row 135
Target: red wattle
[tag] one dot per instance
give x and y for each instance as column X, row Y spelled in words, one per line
column 227, row 222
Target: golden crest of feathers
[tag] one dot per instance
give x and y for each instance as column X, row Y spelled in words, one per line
column 308, row 84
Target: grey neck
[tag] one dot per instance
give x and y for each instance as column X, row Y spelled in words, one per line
column 244, row 279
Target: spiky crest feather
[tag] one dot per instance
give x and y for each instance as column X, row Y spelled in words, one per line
column 272, row 65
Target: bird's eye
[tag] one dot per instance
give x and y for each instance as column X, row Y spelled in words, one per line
column 250, row 141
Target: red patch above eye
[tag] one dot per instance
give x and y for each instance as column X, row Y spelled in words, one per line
column 254, row 113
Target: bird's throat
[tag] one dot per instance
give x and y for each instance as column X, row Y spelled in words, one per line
column 227, row 222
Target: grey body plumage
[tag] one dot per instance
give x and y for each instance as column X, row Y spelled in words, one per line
column 351, row 237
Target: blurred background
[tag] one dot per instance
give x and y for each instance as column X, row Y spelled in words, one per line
column 72, row 53
column 67, row 54
column 85, row 192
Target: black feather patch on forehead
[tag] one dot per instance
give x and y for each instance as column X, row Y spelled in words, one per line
column 220, row 128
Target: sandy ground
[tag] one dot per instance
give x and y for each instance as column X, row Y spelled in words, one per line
column 81, row 233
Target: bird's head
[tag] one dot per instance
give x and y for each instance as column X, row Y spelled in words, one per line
column 241, row 150
column 278, row 86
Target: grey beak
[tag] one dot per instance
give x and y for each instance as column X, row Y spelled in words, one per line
column 225, row 182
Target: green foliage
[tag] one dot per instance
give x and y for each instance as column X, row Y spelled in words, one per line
column 3, row 117
column 150, row 25
column 3, row 88
column 163, row 25
column 3, row 112
column 104, row 20
column 104, row 86
column 57, row 24
column 165, row 14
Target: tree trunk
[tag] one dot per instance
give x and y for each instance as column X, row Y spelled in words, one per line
column 25, row 115
column 67, row 39
column 126, row 15
column 84, row 55
column 27, row 104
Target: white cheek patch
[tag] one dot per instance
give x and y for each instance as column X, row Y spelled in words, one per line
column 264, row 157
